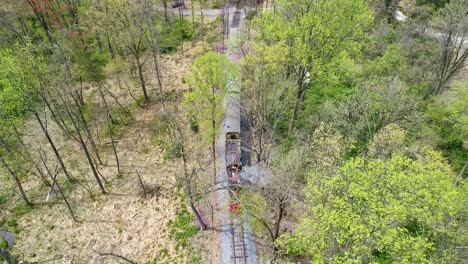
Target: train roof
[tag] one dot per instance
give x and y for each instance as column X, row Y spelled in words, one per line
column 233, row 151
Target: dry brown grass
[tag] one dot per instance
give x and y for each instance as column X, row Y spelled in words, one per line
column 123, row 222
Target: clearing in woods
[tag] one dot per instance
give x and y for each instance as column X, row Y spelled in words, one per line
column 123, row 222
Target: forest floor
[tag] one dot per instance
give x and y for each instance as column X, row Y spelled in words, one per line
column 141, row 228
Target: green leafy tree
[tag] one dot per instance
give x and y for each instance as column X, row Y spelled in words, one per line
column 209, row 76
column 395, row 211
column 14, row 103
column 388, row 141
column 316, row 32
column 391, row 63
column 326, row 151
column 374, row 105
column 19, row 96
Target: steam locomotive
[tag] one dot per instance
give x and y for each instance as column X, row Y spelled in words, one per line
column 233, row 158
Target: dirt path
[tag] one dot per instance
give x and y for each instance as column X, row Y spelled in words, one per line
column 235, row 230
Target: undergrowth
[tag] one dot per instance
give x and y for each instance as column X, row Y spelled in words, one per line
column 181, row 229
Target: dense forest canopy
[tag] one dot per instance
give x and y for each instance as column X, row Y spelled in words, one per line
column 353, row 116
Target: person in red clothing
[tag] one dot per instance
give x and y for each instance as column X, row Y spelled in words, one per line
column 234, row 208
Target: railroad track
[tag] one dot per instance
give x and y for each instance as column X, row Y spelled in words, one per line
column 239, row 252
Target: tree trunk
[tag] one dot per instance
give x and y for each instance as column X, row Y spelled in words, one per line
column 192, row 2
column 165, row 10
column 188, row 182
column 201, row 14
column 292, row 124
column 109, row 45
column 140, row 72
column 213, row 150
column 190, row 197
column 278, row 221
column 84, row 148
column 56, row 116
column 27, row 156
column 57, row 154
column 7, row 256
column 54, row 182
column 17, row 181
column 197, row 214
column 155, row 53
column 301, row 89
column 88, row 156
column 98, row 40
column 457, row 180
column 40, row 16
column 182, row 30
column 87, row 131
column 109, row 124
column 70, row 210
column 452, row 60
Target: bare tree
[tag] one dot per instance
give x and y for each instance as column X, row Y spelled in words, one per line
column 452, row 27
column 39, row 9
column 55, row 183
column 109, row 125
column 175, row 132
column 15, row 176
column 188, row 177
column 279, row 186
column 150, row 14
column 76, row 121
column 263, row 97
column 52, row 144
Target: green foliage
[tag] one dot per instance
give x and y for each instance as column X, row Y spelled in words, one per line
column 327, row 151
column 196, row 259
column 22, row 209
column 3, row 199
column 14, row 98
column 388, row 141
column 448, row 117
column 255, row 205
column 89, row 64
column 401, row 210
column 333, row 26
column 435, row 3
column 174, row 33
column 10, row 225
column 317, row 34
column 194, row 126
column 173, row 151
column 160, row 128
column 182, row 228
column 374, row 105
column 121, row 117
column 338, row 82
column 265, row 79
column 164, row 136
column 391, row 63
column 3, row 243
column 216, row 3
column 208, row 76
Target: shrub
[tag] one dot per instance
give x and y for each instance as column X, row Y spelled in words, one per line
column 174, row 33
column 181, row 229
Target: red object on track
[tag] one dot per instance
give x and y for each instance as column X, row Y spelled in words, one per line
column 233, row 207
